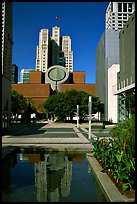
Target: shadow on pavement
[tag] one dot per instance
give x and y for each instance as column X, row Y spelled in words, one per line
column 19, row 129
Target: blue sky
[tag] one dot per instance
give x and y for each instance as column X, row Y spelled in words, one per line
column 84, row 22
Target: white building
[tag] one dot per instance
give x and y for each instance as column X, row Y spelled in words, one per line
column 66, row 48
column 112, row 99
column 42, row 51
column 6, row 62
column 118, row 13
column 53, row 50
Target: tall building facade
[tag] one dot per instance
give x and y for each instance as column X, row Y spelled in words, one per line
column 55, row 45
column 54, row 50
column 6, row 62
column 68, row 54
column 42, row 51
column 118, row 13
column 108, row 54
column 124, row 89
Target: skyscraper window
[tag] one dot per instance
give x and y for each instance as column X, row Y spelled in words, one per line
column 119, row 7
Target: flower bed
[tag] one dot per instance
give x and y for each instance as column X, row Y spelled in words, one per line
column 117, row 156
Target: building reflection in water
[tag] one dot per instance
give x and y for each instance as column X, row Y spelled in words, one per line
column 53, row 175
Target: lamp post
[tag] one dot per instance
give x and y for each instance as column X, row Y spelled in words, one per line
column 77, row 116
column 89, row 113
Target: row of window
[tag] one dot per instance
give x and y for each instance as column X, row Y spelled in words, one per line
column 124, row 7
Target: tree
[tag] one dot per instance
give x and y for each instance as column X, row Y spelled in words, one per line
column 18, row 103
column 31, row 102
column 65, row 104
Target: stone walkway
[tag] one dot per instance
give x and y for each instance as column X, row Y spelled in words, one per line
column 58, row 136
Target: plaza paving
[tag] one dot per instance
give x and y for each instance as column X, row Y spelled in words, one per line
column 53, row 136
column 48, row 135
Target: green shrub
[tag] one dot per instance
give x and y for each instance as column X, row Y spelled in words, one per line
column 125, row 131
column 117, row 154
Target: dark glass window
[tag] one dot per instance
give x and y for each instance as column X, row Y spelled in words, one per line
column 111, row 6
column 124, row 7
column 119, row 7
column 130, row 7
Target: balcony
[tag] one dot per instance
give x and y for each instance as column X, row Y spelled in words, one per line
column 124, row 85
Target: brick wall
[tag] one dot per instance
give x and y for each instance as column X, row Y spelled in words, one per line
column 35, row 77
column 90, row 88
column 79, row 77
column 38, row 92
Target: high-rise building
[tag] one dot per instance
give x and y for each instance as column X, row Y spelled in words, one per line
column 118, row 13
column 6, row 62
column 68, row 54
column 55, row 50
column 42, row 51
column 55, row 45
column 108, row 54
column 14, row 74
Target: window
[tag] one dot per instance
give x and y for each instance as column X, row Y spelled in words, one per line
column 124, row 7
column 119, row 7
column 111, row 6
column 125, row 17
column 119, row 17
column 119, row 22
column 130, row 7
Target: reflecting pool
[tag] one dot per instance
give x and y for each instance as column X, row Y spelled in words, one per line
column 53, row 177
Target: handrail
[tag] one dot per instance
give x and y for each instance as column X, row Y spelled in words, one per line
column 124, row 83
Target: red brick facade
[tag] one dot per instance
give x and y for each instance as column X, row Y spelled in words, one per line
column 40, row 92
column 35, row 77
column 79, row 77
column 90, row 88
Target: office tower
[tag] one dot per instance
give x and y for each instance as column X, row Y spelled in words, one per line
column 107, row 53
column 118, row 13
column 14, row 74
column 68, row 54
column 55, row 50
column 42, row 51
column 6, row 62
column 25, row 76
column 55, row 45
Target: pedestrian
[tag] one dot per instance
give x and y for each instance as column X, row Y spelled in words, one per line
column 34, row 121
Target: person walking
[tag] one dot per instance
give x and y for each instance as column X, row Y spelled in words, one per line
column 34, row 121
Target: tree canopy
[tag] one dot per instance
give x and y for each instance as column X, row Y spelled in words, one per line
column 64, row 104
column 19, row 103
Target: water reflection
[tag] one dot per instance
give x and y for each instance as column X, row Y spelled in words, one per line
column 53, row 177
column 49, row 180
